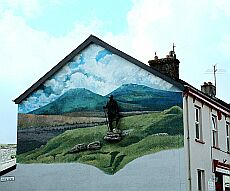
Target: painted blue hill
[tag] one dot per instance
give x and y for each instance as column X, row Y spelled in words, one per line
column 130, row 97
column 140, row 97
column 74, row 100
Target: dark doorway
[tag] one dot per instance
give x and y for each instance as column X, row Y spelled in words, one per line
column 219, row 181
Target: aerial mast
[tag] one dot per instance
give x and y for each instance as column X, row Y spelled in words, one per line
column 214, row 72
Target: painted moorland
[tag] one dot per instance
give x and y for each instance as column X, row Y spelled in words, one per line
column 142, row 134
column 82, row 108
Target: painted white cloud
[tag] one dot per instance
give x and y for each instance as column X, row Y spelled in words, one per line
column 101, row 77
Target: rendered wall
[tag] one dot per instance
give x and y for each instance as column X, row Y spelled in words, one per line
column 67, row 111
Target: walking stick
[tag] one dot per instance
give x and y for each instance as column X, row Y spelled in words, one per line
column 106, row 119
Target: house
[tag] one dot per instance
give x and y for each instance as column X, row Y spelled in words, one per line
column 171, row 135
column 206, row 133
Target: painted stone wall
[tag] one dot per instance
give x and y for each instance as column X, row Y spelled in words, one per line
column 64, row 120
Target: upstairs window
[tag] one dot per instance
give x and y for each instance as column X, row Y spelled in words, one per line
column 198, row 127
column 214, row 131
column 227, row 133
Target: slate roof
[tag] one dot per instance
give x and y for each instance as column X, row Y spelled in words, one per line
column 180, row 84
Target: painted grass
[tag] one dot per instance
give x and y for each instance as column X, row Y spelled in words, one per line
column 141, row 140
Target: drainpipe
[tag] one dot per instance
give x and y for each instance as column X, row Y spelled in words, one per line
column 188, row 140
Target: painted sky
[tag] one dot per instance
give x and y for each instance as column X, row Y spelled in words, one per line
column 36, row 34
column 95, row 69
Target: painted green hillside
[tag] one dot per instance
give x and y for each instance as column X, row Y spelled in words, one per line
column 144, row 134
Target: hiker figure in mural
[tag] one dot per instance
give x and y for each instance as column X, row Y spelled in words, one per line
column 112, row 112
column 111, row 109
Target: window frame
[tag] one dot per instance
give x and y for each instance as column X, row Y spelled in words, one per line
column 215, row 141
column 198, row 124
column 228, row 136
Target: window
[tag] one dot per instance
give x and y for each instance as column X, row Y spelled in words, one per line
column 214, row 131
column 228, row 139
column 200, row 180
column 198, row 128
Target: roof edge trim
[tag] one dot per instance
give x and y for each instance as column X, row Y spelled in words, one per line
column 211, row 102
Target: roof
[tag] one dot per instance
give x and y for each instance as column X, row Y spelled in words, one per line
column 212, row 102
column 93, row 39
column 180, row 84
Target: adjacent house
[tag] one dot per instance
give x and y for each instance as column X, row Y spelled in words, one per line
column 163, row 134
column 206, row 130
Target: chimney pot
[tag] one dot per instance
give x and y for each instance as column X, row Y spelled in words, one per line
column 209, row 89
column 171, row 54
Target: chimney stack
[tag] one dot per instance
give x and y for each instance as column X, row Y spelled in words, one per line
column 168, row 66
column 209, row 89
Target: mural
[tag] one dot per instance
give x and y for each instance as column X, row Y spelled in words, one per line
column 69, row 119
